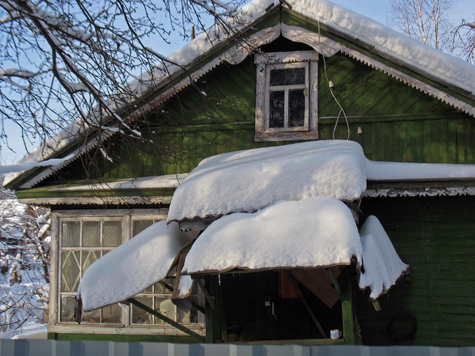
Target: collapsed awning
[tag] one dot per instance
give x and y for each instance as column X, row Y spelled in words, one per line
column 309, row 233
column 313, row 232
column 133, row 266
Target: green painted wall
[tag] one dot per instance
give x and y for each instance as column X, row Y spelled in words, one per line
column 436, row 237
column 216, row 115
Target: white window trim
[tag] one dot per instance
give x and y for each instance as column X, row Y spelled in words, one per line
column 266, row 62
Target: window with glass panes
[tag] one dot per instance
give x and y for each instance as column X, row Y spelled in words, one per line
column 86, row 239
column 82, row 243
column 287, row 102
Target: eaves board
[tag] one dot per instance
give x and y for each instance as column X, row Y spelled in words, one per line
column 368, row 54
column 420, row 188
column 56, row 196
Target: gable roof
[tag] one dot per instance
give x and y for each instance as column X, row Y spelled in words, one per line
column 212, row 48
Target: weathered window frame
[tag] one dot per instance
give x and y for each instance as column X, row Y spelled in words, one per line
column 127, row 217
column 269, row 61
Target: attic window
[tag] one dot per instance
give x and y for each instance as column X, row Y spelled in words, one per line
column 286, row 103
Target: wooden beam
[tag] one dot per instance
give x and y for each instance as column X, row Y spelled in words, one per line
column 167, row 320
column 347, row 311
column 306, row 305
column 206, row 294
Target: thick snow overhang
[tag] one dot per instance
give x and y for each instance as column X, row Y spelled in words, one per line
column 442, row 76
column 133, row 266
column 382, row 265
column 309, row 233
column 247, row 181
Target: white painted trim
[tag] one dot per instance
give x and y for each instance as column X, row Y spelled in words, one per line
column 419, row 192
column 127, row 200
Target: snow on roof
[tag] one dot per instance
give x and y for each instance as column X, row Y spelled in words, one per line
column 382, row 265
column 152, row 182
column 380, row 171
column 133, row 266
column 425, row 58
column 247, row 181
column 313, row 232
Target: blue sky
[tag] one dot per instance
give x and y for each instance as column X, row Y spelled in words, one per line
column 374, row 9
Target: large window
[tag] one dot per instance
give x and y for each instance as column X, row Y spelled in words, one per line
column 85, row 239
column 286, row 103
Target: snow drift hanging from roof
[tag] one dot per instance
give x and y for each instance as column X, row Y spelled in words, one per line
column 314, row 232
column 133, row 266
column 247, row 181
column 382, row 265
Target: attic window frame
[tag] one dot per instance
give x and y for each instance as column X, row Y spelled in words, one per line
column 276, row 60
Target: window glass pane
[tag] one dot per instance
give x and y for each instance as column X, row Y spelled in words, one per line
column 112, row 233
column 276, row 109
column 94, row 316
column 91, row 233
column 70, row 271
column 140, row 316
column 165, row 307
column 159, row 289
column 140, row 225
column 296, row 108
column 112, row 314
column 70, row 233
column 67, row 308
column 88, row 258
column 289, row 76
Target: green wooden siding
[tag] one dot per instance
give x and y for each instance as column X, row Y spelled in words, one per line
column 436, row 237
column 216, row 115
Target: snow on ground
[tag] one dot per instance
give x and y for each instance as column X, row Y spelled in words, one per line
column 247, row 181
column 382, row 265
column 313, row 232
column 133, row 266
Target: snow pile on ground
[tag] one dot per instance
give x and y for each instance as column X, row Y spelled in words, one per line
column 382, row 265
column 313, row 232
column 133, row 266
column 247, row 181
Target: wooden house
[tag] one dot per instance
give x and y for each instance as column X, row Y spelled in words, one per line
column 350, row 78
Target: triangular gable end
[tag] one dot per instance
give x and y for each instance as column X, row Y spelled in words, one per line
column 320, row 33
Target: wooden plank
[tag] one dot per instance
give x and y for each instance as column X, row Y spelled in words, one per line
column 319, row 282
column 167, row 320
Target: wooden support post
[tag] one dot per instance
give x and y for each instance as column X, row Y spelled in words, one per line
column 347, row 310
column 221, row 312
column 165, row 319
column 306, row 305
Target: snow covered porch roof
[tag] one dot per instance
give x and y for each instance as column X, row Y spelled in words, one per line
column 310, row 233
